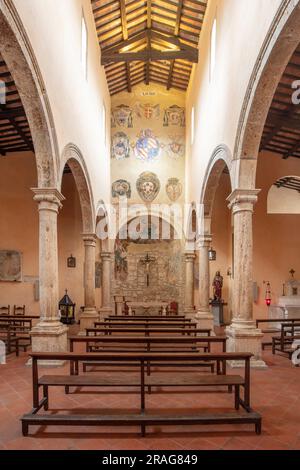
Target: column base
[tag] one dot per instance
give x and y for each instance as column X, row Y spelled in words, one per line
column 105, row 311
column 49, row 336
column 245, row 337
column 87, row 319
column 205, row 320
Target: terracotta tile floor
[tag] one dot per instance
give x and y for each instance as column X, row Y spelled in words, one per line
column 275, row 394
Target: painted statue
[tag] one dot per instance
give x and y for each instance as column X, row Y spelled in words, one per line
column 217, row 286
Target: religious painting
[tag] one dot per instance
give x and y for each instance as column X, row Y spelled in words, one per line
column 173, row 189
column 147, row 147
column 121, row 263
column 176, row 147
column 121, row 188
column 122, row 116
column 148, row 186
column 10, row 266
column 120, row 148
column 147, row 111
column 174, row 116
column 174, row 267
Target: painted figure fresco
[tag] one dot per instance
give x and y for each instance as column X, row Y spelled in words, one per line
column 121, row 264
column 10, row 266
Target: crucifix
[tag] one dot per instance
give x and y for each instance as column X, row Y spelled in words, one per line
column 146, row 262
column 292, row 272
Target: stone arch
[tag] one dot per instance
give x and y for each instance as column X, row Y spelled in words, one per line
column 19, row 57
column 282, row 40
column 220, row 160
column 72, row 156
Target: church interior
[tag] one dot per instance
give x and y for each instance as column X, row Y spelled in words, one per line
column 149, row 246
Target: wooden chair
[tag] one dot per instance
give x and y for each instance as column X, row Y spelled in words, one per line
column 19, row 310
column 173, row 310
column 5, row 310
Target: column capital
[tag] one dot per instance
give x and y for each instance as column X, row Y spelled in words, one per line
column 243, row 200
column 204, row 241
column 89, row 239
column 106, row 255
column 189, row 256
column 48, row 198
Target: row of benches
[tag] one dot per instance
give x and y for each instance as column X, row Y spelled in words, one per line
column 143, row 345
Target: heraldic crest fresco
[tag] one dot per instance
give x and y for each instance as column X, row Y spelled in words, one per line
column 148, row 186
column 147, row 147
column 122, row 116
column 176, row 147
column 174, row 116
column 147, row 111
column 121, row 188
column 120, row 147
column 173, row 189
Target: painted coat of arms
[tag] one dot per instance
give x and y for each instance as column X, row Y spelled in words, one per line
column 174, row 116
column 121, row 188
column 122, row 116
column 147, row 111
column 173, row 189
column 148, row 186
column 175, row 149
column 147, row 147
column 120, row 148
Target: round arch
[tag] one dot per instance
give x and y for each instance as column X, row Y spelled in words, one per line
column 19, row 57
column 282, row 40
column 72, row 156
column 220, row 160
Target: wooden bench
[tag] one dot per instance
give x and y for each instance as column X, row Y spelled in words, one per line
column 283, row 343
column 147, row 319
column 143, row 418
column 273, row 330
column 163, row 344
column 148, row 331
column 145, row 324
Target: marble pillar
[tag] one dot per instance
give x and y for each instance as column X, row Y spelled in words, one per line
column 204, row 315
column 49, row 334
column 90, row 314
column 189, row 284
column 243, row 336
column 106, row 308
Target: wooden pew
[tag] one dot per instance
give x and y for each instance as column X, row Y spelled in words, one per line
column 148, row 331
column 287, row 336
column 145, row 324
column 146, row 319
column 141, row 418
column 178, row 344
column 273, row 330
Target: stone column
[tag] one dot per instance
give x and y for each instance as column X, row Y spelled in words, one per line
column 242, row 333
column 106, row 308
column 204, row 315
column 90, row 314
column 49, row 335
column 189, row 284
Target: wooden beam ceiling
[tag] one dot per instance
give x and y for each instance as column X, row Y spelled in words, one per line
column 156, row 33
column 15, row 135
column 282, row 128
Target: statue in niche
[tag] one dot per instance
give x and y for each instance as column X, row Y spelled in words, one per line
column 217, row 286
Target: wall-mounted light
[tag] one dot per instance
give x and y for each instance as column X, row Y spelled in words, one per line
column 212, row 254
column 229, row 272
column 268, row 297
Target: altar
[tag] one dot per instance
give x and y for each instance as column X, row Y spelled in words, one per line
column 147, row 305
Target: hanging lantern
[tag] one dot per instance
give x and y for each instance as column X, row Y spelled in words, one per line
column 212, row 254
column 67, row 309
column 268, row 297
